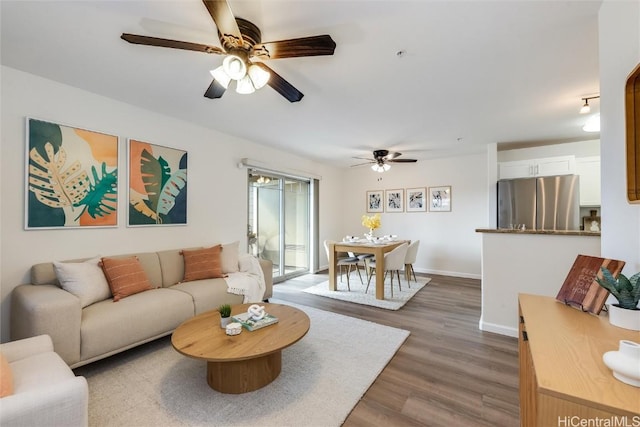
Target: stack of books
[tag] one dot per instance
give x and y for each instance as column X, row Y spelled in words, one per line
column 250, row 324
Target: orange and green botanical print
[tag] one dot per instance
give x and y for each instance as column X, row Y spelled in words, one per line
column 72, row 177
column 157, row 185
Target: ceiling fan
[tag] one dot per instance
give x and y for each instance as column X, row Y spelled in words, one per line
column 241, row 43
column 382, row 158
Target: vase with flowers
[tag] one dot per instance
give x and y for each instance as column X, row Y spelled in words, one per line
column 371, row 222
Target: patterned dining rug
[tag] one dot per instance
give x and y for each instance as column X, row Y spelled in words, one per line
column 357, row 294
column 323, row 377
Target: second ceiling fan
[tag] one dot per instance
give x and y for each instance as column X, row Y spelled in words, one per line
column 381, row 158
column 241, row 42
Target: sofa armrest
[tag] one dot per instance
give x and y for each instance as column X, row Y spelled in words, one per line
column 47, row 310
column 65, row 404
column 17, row 350
column 267, row 271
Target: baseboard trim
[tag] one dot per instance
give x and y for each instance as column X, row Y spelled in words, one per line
column 449, row 273
column 498, row 329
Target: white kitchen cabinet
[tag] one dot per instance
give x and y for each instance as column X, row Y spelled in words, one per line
column 548, row 166
column 589, row 170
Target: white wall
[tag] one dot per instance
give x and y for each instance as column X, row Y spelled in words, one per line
column 217, row 188
column 448, row 242
column 619, row 33
column 524, row 263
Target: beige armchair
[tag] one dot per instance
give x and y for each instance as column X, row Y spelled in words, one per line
column 45, row 390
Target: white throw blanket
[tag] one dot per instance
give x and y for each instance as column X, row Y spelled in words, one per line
column 249, row 281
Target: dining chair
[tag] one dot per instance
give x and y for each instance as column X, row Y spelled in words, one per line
column 362, row 262
column 409, row 259
column 393, row 262
column 348, row 262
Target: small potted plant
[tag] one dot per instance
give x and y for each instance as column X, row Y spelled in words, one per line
column 225, row 315
column 625, row 314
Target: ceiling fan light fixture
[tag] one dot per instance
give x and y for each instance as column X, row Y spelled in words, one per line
column 221, row 76
column 377, row 167
column 259, row 77
column 244, row 86
column 235, row 67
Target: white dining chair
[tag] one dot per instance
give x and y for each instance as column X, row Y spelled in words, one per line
column 348, row 262
column 393, row 262
column 409, row 260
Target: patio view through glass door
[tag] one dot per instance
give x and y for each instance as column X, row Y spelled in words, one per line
column 279, row 218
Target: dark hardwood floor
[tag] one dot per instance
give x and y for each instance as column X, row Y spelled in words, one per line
column 447, row 373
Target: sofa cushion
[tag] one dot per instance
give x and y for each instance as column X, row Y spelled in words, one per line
column 202, row 263
column 229, row 257
column 39, row 371
column 6, row 377
column 125, row 276
column 85, row 280
column 208, row 294
column 109, row 328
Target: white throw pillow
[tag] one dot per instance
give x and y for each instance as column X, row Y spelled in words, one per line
column 85, row 280
column 245, row 262
column 229, row 257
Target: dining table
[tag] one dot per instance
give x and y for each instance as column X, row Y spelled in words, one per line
column 362, row 246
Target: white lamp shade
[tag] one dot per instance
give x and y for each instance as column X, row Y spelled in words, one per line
column 585, row 108
column 244, row 86
column 380, row 168
column 235, row 67
column 221, row 76
column 258, row 76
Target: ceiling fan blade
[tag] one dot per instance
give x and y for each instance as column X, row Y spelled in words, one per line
column 392, row 155
column 402, row 160
column 364, row 158
column 304, row 46
column 176, row 44
column 225, row 21
column 280, row 85
column 361, row 164
column 215, row 90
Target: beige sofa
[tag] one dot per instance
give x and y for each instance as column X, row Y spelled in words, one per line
column 83, row 335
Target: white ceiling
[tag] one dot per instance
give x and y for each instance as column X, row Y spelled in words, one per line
column 473, row 72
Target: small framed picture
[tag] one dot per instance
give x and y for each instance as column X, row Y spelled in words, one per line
column 394, row 200
column 440, row 199
column 374, row 201
column 416, row 199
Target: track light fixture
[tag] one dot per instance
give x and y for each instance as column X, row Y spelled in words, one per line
column 585, row 107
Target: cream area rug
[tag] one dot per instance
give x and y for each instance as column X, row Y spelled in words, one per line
column 358, row 296
column 323, row 377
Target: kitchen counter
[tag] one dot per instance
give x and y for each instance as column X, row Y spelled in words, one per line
column 553, row 232
column 530, row 261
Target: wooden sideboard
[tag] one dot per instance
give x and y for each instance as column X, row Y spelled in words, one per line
column 563, row 379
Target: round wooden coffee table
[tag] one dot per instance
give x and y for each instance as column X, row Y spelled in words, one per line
column 244, row 362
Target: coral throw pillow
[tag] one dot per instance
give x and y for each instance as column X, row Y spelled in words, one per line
column 6, row 377
column 125, row 276
column 202, row 263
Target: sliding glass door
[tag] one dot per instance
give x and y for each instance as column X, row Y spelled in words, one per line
column 279, row 222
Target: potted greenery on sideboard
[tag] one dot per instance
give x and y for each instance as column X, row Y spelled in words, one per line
column 625, row 314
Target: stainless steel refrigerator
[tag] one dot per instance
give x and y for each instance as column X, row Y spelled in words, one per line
column 543, row 203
